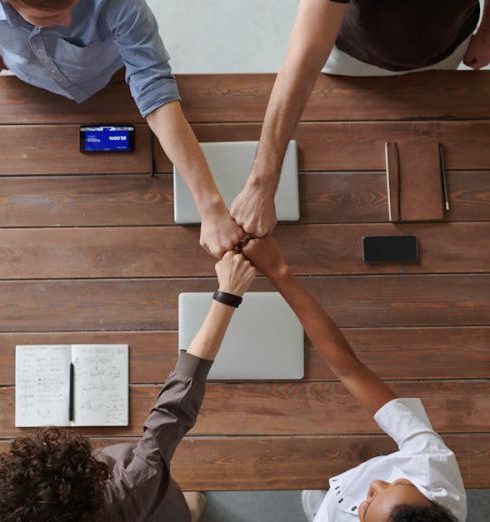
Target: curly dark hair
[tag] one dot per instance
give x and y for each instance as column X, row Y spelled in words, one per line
column 51, row 477
column 410, row 513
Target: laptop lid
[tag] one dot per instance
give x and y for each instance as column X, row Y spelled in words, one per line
column 264, row 340
column 230, row 164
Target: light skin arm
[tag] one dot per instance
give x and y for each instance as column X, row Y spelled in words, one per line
column 315, row 31
column 235, row 275
column 363, row 384
column 478, row 52
column 219, row 232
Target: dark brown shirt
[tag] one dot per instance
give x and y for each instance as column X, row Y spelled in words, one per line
column 400, row 35
column 141, row 488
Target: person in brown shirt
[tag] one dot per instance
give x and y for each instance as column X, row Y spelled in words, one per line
column 54, row 476
column 354, row 37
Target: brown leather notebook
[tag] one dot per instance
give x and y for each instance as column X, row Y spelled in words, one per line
column 415, row 189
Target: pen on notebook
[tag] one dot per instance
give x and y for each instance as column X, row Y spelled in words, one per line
column 72, row 381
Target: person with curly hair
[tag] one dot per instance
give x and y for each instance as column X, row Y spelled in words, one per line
column 421, row 482
column 56, row 476
column 51, row 476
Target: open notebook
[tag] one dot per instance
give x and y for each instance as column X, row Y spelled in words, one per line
column 99, row 385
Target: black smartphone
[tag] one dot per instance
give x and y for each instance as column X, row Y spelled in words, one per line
column 391, row 249
column 106, row 138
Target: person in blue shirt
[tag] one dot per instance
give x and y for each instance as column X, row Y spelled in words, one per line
column 74, row 47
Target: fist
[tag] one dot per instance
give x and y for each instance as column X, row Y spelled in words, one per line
column 266, row 256
column 254, row 212
column 235, row 273
column 478, row 52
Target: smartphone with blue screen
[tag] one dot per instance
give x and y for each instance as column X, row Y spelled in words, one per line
column 106, row 138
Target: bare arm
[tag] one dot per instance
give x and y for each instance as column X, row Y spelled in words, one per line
column 235, row 275
column 360, row 381
column 314, row 33
column 177, row 406
column 478, row 52
column 219, row 232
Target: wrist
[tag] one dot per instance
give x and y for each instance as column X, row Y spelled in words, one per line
column 230, row 289
column 213, row 204
column 280, row 275
column 484, row 32
column 227, row 298
column 264, row 184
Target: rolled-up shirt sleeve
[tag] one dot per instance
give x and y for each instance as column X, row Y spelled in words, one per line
column 148, row 72
column 407, row 423
column 175, row 410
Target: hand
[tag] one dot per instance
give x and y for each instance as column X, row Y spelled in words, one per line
column 254, row 211
column 478, row 52
column 266, row 256
column 220, row 233
column 235, row 274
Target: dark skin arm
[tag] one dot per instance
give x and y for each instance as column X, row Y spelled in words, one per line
column 363, row 384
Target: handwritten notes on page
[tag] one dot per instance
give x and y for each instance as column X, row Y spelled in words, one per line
column 42, row 385
column 100, row 387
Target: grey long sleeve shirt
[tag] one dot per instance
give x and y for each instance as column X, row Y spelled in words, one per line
column 141, row 488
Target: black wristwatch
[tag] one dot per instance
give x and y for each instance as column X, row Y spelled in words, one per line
column 227, row 299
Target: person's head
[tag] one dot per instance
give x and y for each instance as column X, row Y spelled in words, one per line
column 51, row 477
column 434, row 513
column 45, row 13
column 400, row 501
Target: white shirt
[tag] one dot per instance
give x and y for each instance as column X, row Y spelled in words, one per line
column 422, row 458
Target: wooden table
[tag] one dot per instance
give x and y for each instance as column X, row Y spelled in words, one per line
column 89, row 253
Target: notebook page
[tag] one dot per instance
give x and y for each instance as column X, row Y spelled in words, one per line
column 42, row 385
column 101, row 384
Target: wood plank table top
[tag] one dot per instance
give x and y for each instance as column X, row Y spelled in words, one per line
column 89, row 253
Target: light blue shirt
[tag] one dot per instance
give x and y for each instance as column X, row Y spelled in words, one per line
column 79, row 60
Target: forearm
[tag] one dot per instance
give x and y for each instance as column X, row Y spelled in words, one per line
column 175, row 410
column 182, row 148
column 207, row 341
column 311, row 42
column 363, row 384
column 319, row 327
column 179, row 401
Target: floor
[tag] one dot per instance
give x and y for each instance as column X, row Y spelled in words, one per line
column 285, row 506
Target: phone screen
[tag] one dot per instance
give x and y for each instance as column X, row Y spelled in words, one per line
column 107, row 138
column 390, row 249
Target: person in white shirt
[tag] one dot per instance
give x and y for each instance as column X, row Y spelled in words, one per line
column 421, row 482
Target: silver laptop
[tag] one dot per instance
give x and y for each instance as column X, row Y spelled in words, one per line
column 230, row 164
column 265, row 339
